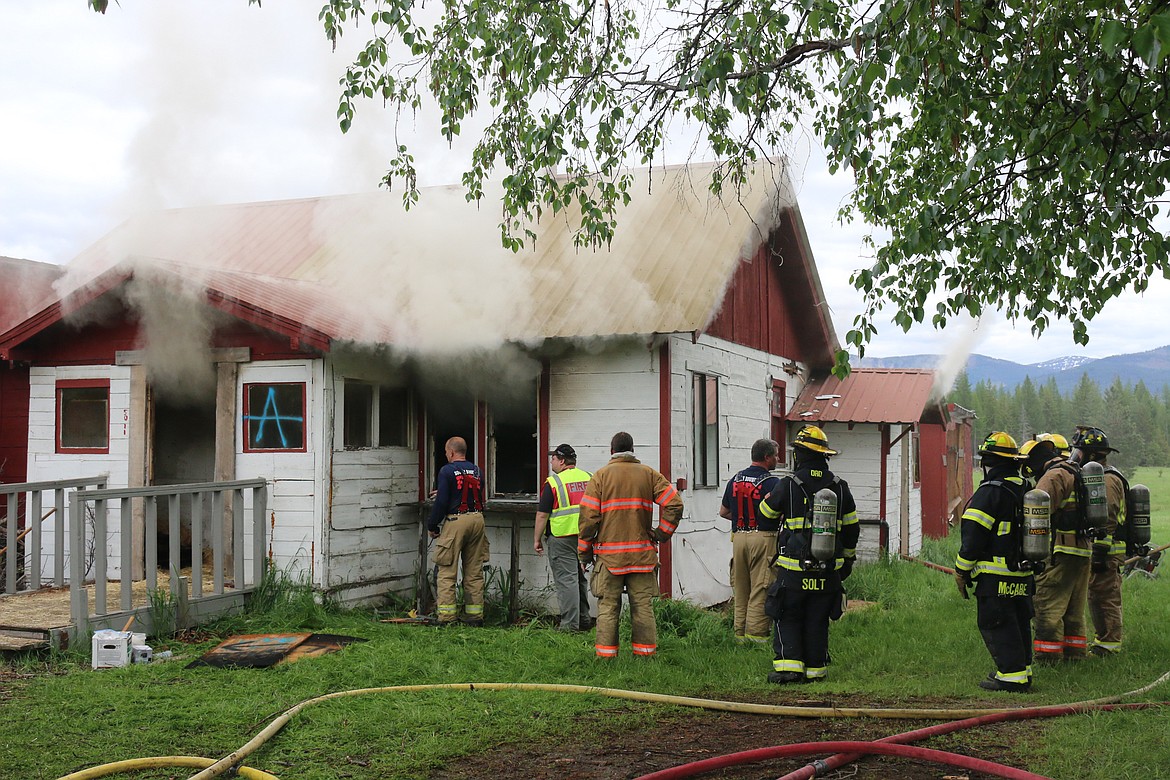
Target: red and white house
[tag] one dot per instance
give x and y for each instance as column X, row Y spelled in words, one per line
column 332, row 345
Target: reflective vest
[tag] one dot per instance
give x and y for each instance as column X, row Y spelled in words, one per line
column 567, row 487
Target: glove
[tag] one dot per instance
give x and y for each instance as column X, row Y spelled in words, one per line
column 1099, row 561
column 962, row 582
column 658, row 536
column 846, row 568
column 586, row 558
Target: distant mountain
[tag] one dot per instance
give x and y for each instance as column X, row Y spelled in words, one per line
column 1152, row 368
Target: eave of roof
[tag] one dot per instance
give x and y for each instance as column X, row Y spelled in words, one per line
column 869, row 395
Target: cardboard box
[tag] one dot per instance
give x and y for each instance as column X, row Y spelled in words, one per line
column 110, row 649
column 141, row 654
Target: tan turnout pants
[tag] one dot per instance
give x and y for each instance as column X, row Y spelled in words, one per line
column 751, row 576
column 1059, row 621
column 462, row 540
column 641, row 587
column 1105, row 605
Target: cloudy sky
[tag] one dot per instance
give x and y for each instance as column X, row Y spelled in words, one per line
column 170, row 103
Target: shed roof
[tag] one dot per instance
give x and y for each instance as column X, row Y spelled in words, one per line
column 362, row 268
column 870, row 395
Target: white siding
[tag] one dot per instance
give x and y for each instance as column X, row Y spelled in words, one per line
column 46, row 464
column 701, row 547
column 859, row 464
column 294, row 492
column 593, row 395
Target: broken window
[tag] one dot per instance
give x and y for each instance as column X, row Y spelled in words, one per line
column 706, row 430
column 83, row 415
column 274, row 417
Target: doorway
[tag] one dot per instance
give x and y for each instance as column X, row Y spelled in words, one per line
column 182, row 451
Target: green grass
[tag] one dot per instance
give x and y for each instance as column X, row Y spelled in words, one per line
column 916, row 647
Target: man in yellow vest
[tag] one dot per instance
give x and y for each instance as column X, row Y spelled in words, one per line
column 556, row 527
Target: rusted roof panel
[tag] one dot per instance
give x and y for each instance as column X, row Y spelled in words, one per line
column 868, row 395
column 361, row 268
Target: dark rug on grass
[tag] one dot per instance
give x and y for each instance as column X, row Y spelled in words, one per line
column 257, row 651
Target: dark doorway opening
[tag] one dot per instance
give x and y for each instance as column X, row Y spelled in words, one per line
column 182, row 452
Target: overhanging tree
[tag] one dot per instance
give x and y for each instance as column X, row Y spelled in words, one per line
column 1013, row 152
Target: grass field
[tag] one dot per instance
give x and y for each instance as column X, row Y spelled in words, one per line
column 917, row 646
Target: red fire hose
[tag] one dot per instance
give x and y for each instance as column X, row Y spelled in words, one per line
column 819, row 768
column 896, row 741
column 810, row 748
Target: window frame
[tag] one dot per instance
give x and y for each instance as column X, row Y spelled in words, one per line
column 246, row 416
column 63, row 385
column 778, row 408
column 705, row 473
column 375, row 428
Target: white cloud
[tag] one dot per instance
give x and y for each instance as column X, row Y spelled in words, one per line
column 172, row 103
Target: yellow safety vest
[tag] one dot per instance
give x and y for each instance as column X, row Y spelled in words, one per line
column 567, row 488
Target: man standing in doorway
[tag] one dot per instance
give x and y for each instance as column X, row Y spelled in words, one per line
column 753, row 541
column 557, row 523
column 617, row 525
column 456, row 522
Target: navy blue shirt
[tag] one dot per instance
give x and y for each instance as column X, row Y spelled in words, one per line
column 743, row 495
column 460, row 490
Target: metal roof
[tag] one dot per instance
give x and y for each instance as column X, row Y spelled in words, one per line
column 869, row 395
column 361, row 268
column 24, row 286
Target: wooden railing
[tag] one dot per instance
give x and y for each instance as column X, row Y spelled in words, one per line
column 22, row 544
column 190, row 595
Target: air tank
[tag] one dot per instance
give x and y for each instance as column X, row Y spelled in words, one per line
column 1096, row 508
column 1137, row 527
column 1037, row 522
column 824, row 526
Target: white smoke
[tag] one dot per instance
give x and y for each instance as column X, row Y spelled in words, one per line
column 964, row 336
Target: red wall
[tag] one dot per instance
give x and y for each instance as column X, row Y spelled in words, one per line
column 98, row 343
column 13, row 423
column 754, row 313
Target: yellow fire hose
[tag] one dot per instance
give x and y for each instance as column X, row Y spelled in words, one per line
column 217, row 768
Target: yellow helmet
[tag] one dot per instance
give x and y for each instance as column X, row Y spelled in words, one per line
column 1001, row 444
column 813, row 438
column 1058, row 441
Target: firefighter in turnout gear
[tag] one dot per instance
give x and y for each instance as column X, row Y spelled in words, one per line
column 1091, row 445
column 817, row 540
column 991, row 557
column 456, row 523
column 753, row 541
column 617, row 525
column 1061, row 589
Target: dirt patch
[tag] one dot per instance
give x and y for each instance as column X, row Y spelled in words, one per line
column 685, row 737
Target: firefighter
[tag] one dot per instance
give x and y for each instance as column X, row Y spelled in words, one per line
column 991, row 557
column 1063, row 448
column 753, row 541
column 1091, row 445
column 1061, row 588
column 617, row 526
column 817, row 539
column 456, row 522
